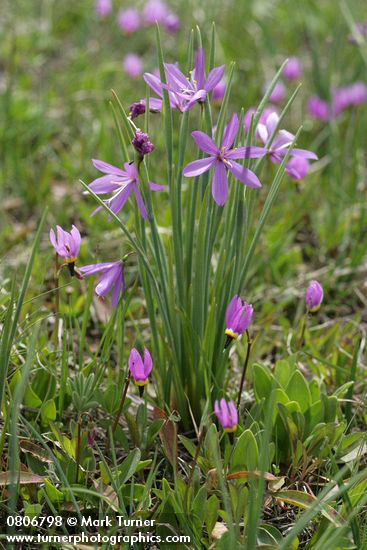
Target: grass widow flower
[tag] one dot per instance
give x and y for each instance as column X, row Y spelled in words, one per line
column 221, row 159
column 139, row 368
column 238, row 317
column 103, row 8
column 293, row 69
column 318, row 108
column 227, row 415
column 121, row 183
column 66, row 245
column 111, row 279
column 129, row 20
column 314, row 296
column 132, row 64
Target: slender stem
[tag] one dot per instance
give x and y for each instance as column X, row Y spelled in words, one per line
column 77, row 454
column 117, row 418
column 244, row 370
column 303, row 329
column 57, row 300
column 192, row 470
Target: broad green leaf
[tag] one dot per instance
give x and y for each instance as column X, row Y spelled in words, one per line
column 297, row 390
column 246, row 454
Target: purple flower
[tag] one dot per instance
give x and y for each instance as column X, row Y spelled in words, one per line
column 222, row 159
column 172, row 22
column 111, row 279
column 314, row 296
column 360, row 31
column 218, row 92
column 265, row 114
column 133, row 66
column 139, row 107
column 185, row 92
column 103, row 7
column 121, row 183
column 142, row 143
column 238, row 318
column 282, row 141
column 66, row 244
column 226, row 414
column 297, row 168
column 129, row 20
column 352, row 95
column 318, row 108
column 140, row 369
column 278, row 93
column 293, row 69
column 155, row 11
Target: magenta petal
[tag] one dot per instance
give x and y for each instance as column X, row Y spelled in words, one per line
column 304, row 154
column 199, row 96
column 198, row 167
column 214, row 77
column 53, row 238
column 136, row 366
column 232, row 307
column 175, row 77
column 200, row 69
column 119, row 200
column 116, row 290
column 155, row 186
column 230, row 132
column 249, row 152
column 154, row 83
column 243, row 174
column 148, row 363
column 105, row 184
column 92, row 269
column 220, row 184
column 140, row 203
column 205, row 143
column 106, row 168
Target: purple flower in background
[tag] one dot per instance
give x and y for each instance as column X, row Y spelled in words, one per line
column 129, row 20
column 66, row 245
column 218, row 92
column 352, row 95
column 360, row 32
column 221, row 159
column 238, row 318
column 142, row 143
column 297, row 168
column 121, row 183
column 282, row 141
column 318, row 108
column 155, row 11
column 185, row 92
column 314, row 296
column 111, row 279
column 278, row 93
column 132, row 64
column 293, row 69
column 103, row 7
column 227, row 415
column 172, row 22
column 249, row 114
column 140, row 369
column 139, row 107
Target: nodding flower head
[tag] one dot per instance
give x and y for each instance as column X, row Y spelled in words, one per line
column 142, row 143
column 314, row 296
column 238, row 318
column 139, row 368
column 111, row 279
column 226, row 414
column 66, row 244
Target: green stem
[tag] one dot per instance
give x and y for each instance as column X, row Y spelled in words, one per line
column 249, row 343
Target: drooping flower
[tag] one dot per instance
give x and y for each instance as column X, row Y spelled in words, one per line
column 282, row 141
column 111, row 279
column 297, row 168
column 128, row 20
column 238, row 318
column 121, row 183
column 132, row 64
column 221, row 159
column 226, row 414
column 142, row 143
column 185, row 92
column 139, row 107
column 103, row 7
column 66, row 245
column 278, row 93
column 293, row 69
column 155, row 11
column 318, row 108
column 314, row 296
column 140, row 369
column 172, row 22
